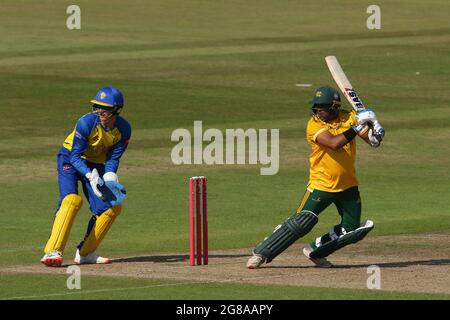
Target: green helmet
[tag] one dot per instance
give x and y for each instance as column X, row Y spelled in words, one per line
column 326, row 96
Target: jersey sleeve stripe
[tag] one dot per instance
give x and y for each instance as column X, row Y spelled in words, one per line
column 317, row 133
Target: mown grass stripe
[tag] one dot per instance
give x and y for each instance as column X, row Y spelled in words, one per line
column 207, row 51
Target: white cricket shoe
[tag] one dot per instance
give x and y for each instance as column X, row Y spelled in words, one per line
column 255, row 261
column 319, row 262
column 91, row 258
column 52, row 259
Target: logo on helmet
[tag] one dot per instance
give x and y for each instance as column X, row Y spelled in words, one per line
column 102, row 95
column 318, row 93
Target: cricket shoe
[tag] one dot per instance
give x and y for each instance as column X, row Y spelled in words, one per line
column 319, row 262
column 255, row 261
column 91, row 258
column 52, row 259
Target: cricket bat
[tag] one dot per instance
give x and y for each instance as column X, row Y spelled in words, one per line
column 346, row 87
column 343, row 83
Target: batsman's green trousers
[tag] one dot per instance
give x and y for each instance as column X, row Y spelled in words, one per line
column 347, row 202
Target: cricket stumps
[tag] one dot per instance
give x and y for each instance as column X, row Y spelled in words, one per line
column 198, row 221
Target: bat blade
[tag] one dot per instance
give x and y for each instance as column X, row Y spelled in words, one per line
column 343, row 83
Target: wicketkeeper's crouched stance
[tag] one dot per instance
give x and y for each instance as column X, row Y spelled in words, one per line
column 331, row 133
column 91, row 151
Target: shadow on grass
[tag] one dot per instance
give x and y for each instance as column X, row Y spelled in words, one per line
column 173, row 258
column 401, row 264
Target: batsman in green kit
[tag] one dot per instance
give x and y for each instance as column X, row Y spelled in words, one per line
column 331, row 134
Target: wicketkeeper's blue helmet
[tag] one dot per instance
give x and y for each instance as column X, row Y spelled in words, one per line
column 109, row 98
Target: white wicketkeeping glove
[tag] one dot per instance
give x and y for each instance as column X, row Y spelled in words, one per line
column 95, row 182
column 110, row 176
column 366, row 116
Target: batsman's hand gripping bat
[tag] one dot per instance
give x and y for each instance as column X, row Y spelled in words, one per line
column 347, row 89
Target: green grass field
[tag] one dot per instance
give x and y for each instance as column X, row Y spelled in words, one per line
column 231, row 64
column 99, row 288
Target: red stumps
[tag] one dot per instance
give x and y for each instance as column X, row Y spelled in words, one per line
column 198, row 221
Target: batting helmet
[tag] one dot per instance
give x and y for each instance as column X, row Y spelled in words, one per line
column 328, row 98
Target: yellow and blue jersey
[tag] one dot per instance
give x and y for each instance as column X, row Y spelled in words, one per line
column 90, row 142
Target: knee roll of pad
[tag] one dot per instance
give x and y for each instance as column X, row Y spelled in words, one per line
column 301, row 224
column 296, row 226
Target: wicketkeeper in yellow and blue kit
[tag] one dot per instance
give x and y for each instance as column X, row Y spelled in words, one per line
column 91, row 155
column 330, row 132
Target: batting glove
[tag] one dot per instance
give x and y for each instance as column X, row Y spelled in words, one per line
column 366, row 116
column 378, row 129
column 374, row 138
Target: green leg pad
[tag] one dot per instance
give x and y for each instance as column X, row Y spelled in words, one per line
column 286, row 234
column 350, row 237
